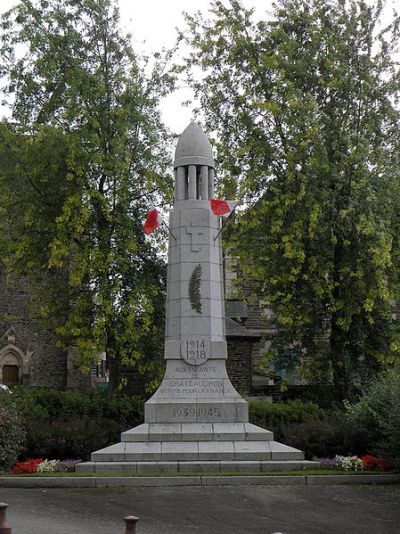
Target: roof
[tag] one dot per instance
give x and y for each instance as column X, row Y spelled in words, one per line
column 193, row 148
column 234, row 329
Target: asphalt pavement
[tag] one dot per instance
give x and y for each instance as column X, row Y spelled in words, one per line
column 366, row 509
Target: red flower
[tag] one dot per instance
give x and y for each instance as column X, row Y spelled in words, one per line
column 372, row 463
column 29, row 466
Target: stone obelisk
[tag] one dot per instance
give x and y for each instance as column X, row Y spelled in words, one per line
column 196, row 420
column 196, row 387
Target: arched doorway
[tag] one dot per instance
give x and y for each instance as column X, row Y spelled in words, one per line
column 10, row 375
column 11, row 369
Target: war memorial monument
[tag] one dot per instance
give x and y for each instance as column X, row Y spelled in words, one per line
column 196, row 421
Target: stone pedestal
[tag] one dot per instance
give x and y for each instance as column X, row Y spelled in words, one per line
column 196, row 421
column 196, row 387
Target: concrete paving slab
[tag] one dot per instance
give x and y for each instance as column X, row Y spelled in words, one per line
column 252, row 450
column 157, row 467
column 248, row 466
column 143, row 451
column 138, row 433
column 216, row 450
column 254, row 433
column 197, row 432
column 279, row 451
column 182, row 450
column 199, row 467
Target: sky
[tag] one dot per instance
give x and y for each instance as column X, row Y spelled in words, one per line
column 153, row 24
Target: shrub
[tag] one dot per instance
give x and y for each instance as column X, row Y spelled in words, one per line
column 377, row 416
column 72, row 424
column 267, row 414
column 305, row 426
column 11, row 431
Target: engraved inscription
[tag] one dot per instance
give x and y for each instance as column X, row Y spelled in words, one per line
column 206, row 370
column 192, row 387
column 198, row 412
column 195, row 350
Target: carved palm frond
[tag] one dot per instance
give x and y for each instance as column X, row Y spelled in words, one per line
column 194, row 289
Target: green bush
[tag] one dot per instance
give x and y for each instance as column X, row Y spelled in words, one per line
column 305, row 426
column 11, row 431
column 377, row 416
column 267, row 414
column 323, row 437
column 72, row 423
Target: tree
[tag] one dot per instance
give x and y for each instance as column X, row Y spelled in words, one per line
column 304, row 109
column 84, row 156
column 377, row 416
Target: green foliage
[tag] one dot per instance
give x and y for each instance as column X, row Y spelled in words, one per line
column 12, row 433
column 266, row 414
column 82, row 158
column 377, row 415
column 324, row 437
column 305, row 426
column 305, row 110
column 72, row 424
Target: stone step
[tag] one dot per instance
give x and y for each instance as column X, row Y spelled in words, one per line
column 163, row 451
column 165, row 432
column 186, row 467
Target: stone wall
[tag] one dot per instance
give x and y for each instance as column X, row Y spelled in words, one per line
column 239, row 364
column 42, row 364
column 252, row 315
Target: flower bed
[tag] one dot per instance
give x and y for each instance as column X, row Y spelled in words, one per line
column 38, row 465
column 354, row 463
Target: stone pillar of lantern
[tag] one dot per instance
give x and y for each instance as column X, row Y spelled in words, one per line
column 196, row 421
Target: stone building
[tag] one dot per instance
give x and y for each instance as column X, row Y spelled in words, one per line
column 249, row 329
column 28, row 354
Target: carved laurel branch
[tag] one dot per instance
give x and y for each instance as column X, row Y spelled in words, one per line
column 194, row 289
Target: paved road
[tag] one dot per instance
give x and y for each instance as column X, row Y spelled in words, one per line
column 207, row 510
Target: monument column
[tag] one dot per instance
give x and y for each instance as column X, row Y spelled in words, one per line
column 196, row 387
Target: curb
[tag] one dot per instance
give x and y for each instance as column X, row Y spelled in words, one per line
column 109, row 482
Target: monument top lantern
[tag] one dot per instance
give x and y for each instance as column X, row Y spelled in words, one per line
column 193, row 148
column 194, row 165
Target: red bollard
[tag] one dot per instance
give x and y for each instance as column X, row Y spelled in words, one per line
column 5, row 527
column 130, row 521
